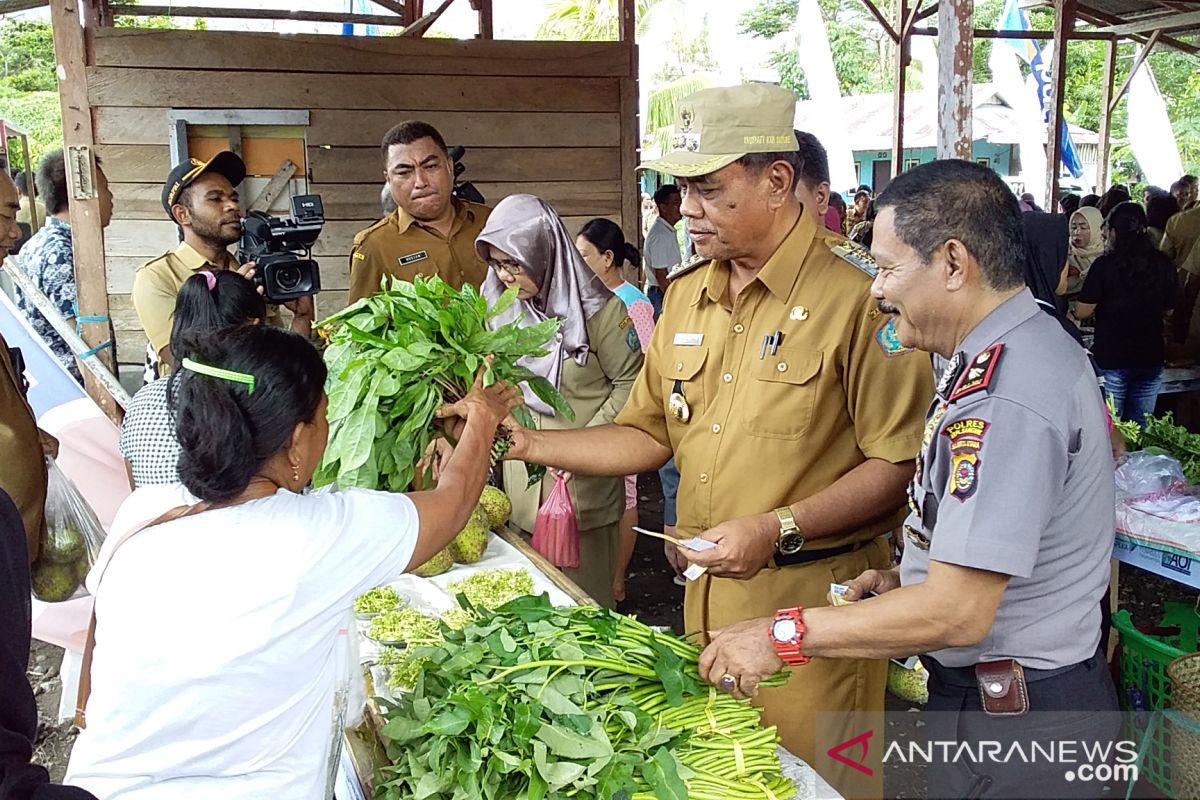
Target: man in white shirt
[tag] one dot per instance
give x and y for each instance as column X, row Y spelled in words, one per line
column 662, row 245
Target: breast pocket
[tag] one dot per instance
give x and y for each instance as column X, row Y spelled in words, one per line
column 684, row 365
column 783, row 394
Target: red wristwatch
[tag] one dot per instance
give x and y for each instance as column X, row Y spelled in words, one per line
column 787, row 634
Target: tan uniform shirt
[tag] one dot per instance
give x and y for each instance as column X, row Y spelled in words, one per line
column 400, row 246
column 1179, row 240
column 596, row 391
column 771, row 428
column 156, row 287
column 23, row 469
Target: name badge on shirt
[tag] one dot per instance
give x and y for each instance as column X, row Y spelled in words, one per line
column 689, row 339
column 420, row 255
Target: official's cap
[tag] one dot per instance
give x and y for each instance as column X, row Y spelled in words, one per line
column 185, row 174
column 716, row 127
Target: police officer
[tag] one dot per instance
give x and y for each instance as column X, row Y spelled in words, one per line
column 1010, row 525
column 201, row 198
column 791, row 409
column 431, row 232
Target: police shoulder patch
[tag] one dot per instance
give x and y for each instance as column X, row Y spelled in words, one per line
column 979, row 374
column 966, row 442
column 889, row 340
column 857, row 256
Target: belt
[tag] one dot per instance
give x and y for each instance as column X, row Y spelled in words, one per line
column 808, row 556
column 964, row 677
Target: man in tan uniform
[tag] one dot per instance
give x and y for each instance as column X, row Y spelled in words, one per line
column 22, row 470
column 1179, row 243
column 431, row 232
column 791, row 408
column 201, row 198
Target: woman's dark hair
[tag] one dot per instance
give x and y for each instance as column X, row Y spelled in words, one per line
column 1069, row 204
column 606, row 236
column 51, row 182
column 1132, row 246
column 228, row 432
column 1112, row 198
column 1089, row 200
column 1159, row 208
column 233, row 300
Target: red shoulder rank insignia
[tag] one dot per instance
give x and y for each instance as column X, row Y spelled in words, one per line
column 978, row 375
column 966, row 440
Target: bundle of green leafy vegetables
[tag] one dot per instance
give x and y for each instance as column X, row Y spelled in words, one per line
column 537, row 703
column 396, row 356
column 1161, row 433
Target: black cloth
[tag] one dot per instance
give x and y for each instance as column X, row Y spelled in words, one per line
column 1079, row 705
column 1047, row 242
column 19, row 780
column 1129, row 310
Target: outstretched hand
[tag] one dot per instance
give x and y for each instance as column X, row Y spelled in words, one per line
column 490, row 405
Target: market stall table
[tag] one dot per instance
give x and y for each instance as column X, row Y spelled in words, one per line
column 507, row 550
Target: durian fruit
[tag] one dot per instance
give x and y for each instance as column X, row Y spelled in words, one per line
column 908, row 684
column 471, row 542
column 442, row 561
column 497, row 505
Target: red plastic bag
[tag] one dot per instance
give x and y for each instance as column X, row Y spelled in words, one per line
column 556, row 531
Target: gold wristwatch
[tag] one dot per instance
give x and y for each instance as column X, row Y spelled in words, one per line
column 791, row 540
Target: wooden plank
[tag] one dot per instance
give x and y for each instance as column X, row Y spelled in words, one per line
column 131, row 347
column 126, row 125
column 119, row 86
column 954, row 91
column 472, row 129
column 360, row 201
column 87, row 234
column 274, row 187
column 136, row 163
column 1104, row 149
column 485, row 165
column 239, row 50
column 900, row 70
column 628, row 155
column 208, row 12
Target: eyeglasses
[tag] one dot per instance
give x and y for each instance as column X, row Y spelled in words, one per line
column 512, row 268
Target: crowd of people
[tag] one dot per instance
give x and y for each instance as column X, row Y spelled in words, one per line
column 814, row 381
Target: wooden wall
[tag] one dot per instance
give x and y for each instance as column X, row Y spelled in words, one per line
column 555, row 119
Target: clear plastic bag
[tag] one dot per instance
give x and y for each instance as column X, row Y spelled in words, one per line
column 556, row 531
column 71, row 543
column 1147, row 472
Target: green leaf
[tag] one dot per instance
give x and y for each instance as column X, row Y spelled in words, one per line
column 661, row 773
column 573, row 745
column 557, row 774
column 450, row 722
column 546, row 392
column 503, row 304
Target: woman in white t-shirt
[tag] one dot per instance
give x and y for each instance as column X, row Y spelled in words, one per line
column 216, row 661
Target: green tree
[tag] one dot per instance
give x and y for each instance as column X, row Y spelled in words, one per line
column 861, row 52
column 590, row 20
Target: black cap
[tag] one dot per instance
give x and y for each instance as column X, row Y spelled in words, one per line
column 184, row 175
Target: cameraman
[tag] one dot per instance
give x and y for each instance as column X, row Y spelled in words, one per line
column 431, row 232
column 201, row 198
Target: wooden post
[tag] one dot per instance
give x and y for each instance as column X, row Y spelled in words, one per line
column 1064, row 24
column 486, row 21
column 70, row 47
column 1110, row 70
column 901, row 65
column 955, row 93
column 631, row 129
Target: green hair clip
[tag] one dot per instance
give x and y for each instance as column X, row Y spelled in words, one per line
column 218, row 372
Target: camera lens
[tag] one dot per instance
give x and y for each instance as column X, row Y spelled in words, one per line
column 288, row 278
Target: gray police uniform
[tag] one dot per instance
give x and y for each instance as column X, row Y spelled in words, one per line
column 1015, row 476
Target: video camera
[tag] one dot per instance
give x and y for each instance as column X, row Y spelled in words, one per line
column 465, row 190
column 282, row 249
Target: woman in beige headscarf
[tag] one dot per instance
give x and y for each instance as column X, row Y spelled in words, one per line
column 593, row 363
column 1086, row 246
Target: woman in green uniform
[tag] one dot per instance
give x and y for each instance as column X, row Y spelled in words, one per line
column 593, row 362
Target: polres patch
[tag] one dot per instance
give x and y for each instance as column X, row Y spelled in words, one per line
column 889, row 340
column 966, row 442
